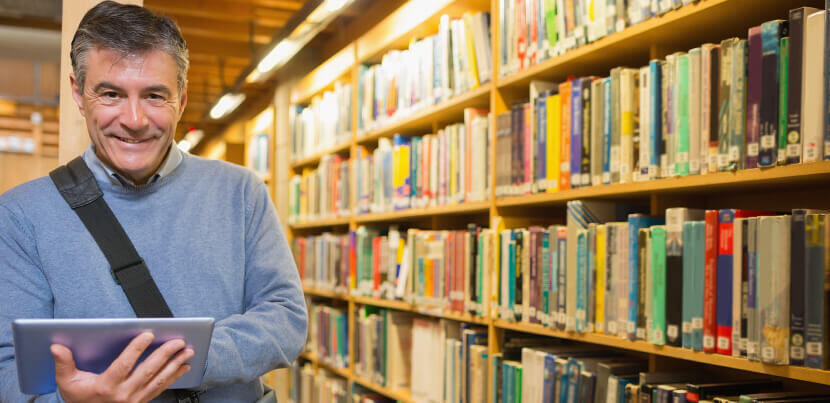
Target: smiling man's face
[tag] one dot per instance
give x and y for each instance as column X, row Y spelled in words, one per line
column 132, row 106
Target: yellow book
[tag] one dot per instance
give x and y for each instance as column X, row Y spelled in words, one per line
column 471, row 53
column 554, row 108
column 497, row 224
column 599, row 293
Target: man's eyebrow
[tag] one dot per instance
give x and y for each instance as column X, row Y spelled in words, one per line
column 104, row 85
column 159, row 88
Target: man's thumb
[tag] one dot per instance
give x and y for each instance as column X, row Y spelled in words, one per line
column 64, row 362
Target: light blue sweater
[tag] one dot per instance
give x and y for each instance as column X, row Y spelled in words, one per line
column 212, row 241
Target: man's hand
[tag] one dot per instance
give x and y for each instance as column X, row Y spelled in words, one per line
column 120, row 383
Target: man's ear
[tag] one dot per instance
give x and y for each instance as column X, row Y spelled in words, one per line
column 77, row 93
column 182, row 102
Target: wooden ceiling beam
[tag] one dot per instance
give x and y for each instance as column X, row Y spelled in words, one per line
column 238, row 12
column 218, row 47
column 243, row 38
column 202, row 58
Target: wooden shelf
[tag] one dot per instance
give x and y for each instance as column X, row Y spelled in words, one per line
column 458, row 317
column 343, row 372
column 383, row 303
column 324, row 293
column 331, row 222
column 401, row 395
column 814, row 172
column 421, row 122
column 710, row 20
column 315, row 158
column 410, row 214
column 324, row 76
column 792, row 372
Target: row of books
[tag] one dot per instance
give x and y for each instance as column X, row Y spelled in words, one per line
column 536, row 370
column 383, row 340
column 321, row 192
column 448, row 167
column 533, row 31
column 743, row 283
column 324, row 124
column 324, row 387
column 259, row 154
column 433, row 69
column 739, row 104
column 328, row 334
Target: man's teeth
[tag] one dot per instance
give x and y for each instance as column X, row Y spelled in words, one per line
column 129, row 140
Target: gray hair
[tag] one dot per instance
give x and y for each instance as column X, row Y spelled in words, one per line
column 127, row 29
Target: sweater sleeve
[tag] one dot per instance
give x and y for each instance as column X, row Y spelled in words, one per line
column 272, row 330
column 24, row 293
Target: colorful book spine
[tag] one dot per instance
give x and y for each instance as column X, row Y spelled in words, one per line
column 635, row 223
column 616, row 123
column 826, row 58
column 771, row 33
column 606, row 130
column 797, row 27
column 710, row 282
column 737, row 111
column 554, row 113
column 752, row 320
column 694, row 111
column 816, row 292
column 753, row 98
column 799, row 285
column 675, row 280
column 658, row 288
column 587, row 132
column 565, row 139
column 726, row 219
column 655, row 119
column 812, row 97
column 783, row 93
column 581, row 280
column 541, row 156
column 724, row 103
column 643, row 306
column 597, row 114
column 628, row 123
column 576, row 132
column 562, row 294
column 693, row 241
column 682, row 145
column 711, row 107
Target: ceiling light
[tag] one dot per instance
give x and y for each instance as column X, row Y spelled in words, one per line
column 226, row 105
column 334, row 5
column 277, row 56
column 263, row 121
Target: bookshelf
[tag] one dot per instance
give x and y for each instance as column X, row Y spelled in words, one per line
column 779, row 187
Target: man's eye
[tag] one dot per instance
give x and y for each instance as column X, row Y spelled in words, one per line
column 111, row 94
column 155, row 97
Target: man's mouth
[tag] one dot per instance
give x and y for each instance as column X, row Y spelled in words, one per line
column 130, row 141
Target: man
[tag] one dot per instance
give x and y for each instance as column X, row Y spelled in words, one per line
column 207, row 231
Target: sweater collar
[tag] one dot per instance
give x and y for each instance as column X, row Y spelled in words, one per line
column 103, row 173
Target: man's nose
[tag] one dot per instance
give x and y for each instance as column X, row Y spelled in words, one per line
column 133, row 116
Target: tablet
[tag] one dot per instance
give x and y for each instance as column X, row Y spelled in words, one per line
column 96, row 343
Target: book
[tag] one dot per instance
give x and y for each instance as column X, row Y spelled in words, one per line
column 796, row 84
column 726, row 218
column 636, row 222
column 773, row 288
column 710, row 282
column 753, row 99
column 816, row 290
column 675, row 280
column 771, row 33
column 812, row 97
column 693, row 268
column 658, row 290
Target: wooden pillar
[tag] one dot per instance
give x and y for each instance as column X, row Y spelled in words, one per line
column 73, row 138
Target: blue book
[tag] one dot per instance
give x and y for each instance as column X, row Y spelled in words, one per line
column 576, row 133
column 509, row 383
column 635, row 223
column 621, row 387
column 771, row 32
column 690, row 248
column 606, row 130
column 562, row 247
column 581, row 280
column 573, row 381
column 549, row 378
column 511, row 273
column 564, row 382
column 726, row 219
column 497, row 387
column 656, row 117
column 546, row 275
column 541, row 137
column 826, row 80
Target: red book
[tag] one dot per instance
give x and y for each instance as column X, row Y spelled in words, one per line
column 565, row 136
column 710, row 281
column 377, row 243
column 352, row 283
column 521, row 33
column 460, row 267
column 449, row 261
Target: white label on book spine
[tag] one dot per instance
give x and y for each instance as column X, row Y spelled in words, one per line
column 565, row 167
column 734, row 153
column 641, row 333
column 713, row 160
column 532, row 312
column 599, row 327
column 682, row 158
column 687, row 327
column 658, row 335
column 752, row 348
column 580, row 314
column 752, row 149
column 625, row 169
column 723, row 160
column 694, row 165
column 767, row 353
column 723, row 343
column 612, row 327
column 742, row 344
column 794, row 150
column 767, row 141
column 606, row 177
column 810, row 153
column 826, row 149
column 697, row 323
column 797, row 352
column 631, row 327
column 708, row 342
column 615, row 158
column 590, row 327
column 814, row 348
column 570, row 322
column 671, row 331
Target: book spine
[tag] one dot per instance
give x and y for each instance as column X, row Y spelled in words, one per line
column 737, row 111
column 544, row 266
column 770, row 45
column 655, row 118
column 682, row 146
column 610, row 277
column 774, row 284
column 688, row 283
column 710, row 282
column 628, row 100
column 581, row 279
column 724, row 280
column 633, row 268
column 816, row 291
column 794, row 125
column 616, row 123
column 597, row 102
column 607, row 93
column 783, row 84
column 658, row 275
column 601, row 276
column 739, row 287
column 528, row 151
column 644, row 295
column 675, row 217
column 826, row 58
column 565, row 139
column 562, row 248
column 753, row 100
column 554, row 113
column 712, row 112
column 812, row 97
column 694, row 111
column 541, row 155
column 724, row 99
column 645, row 127
column 587, row 132
column 798, row 273
column 576, row 133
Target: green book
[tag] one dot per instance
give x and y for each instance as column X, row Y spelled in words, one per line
column 737, row 106
column 681, row 164
column 783, row 90
column 658, row 284
column 518, row 384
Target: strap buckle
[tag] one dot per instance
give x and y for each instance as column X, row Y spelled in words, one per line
column 115, row 270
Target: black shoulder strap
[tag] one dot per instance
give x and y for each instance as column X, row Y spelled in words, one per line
column 77, row 185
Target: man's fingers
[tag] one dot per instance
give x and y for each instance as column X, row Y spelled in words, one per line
column 121, row 367
column 64, row 361
column 153, row 364
column 172, row 371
